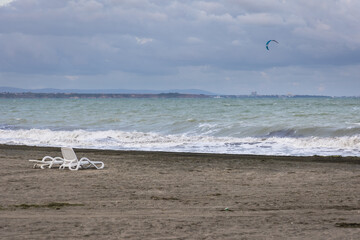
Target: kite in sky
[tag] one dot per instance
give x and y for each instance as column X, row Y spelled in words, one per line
column 267, row 44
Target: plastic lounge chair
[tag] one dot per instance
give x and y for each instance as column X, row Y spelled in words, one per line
column 71, row 161
column 47, row 161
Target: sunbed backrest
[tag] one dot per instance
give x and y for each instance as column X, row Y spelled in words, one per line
column 68, row 153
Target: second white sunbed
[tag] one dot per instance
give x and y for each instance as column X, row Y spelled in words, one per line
column 47, row 162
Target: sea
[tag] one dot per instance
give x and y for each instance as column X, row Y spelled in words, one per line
column 260, row 126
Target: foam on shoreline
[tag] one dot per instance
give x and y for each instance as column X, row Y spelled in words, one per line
column 121, row 140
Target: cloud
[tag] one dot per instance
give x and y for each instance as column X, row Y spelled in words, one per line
column 156, row 39
column 193, row 40
column 5, row 2
column 72, row 78
column 143, row 41
column 263, row 19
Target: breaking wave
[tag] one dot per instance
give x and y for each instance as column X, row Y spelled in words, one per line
column 273, row 144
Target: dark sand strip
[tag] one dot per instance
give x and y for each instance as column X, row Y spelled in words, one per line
column 157, row 195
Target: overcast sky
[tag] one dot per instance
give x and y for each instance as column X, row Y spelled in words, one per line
column 218, row 46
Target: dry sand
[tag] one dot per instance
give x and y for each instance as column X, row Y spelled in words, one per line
column 154, row 195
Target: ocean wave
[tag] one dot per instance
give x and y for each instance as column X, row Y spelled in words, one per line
column 276, row 144
column 300, row 132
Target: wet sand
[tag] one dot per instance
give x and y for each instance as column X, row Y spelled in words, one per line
column 157, row 195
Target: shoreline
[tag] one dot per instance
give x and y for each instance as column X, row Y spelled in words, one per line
column 166, row 195
column 313, row 158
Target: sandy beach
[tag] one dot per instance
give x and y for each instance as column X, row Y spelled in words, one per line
column 159, row 195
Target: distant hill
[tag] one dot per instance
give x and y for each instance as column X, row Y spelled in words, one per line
column 99, row 95
column 103, row 91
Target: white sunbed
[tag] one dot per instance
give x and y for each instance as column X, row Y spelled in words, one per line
column 71, row 161
column 47, row 161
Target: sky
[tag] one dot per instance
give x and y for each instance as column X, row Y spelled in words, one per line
column 216, row 46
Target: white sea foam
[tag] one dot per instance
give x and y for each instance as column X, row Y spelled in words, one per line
column 120, row 140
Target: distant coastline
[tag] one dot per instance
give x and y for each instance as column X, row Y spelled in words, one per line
column 99, row 95
column 32, row 95
column 11, row 92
